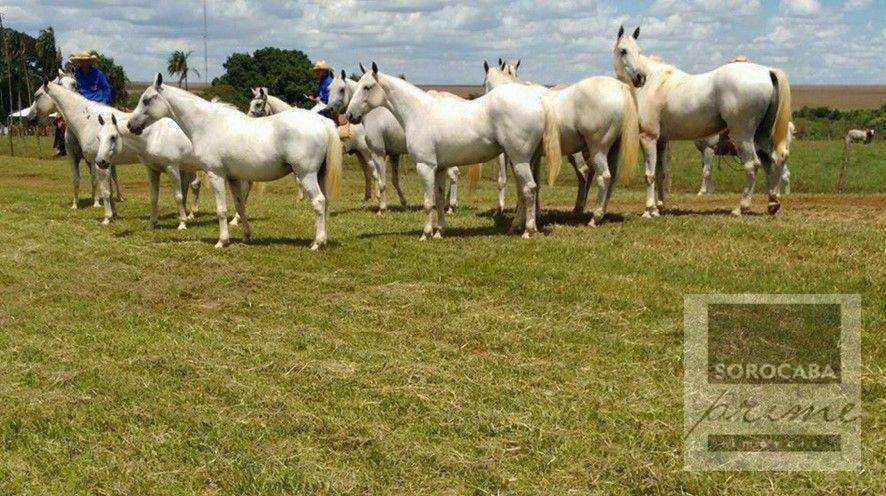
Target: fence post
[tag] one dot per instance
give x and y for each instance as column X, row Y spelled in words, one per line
column 841, row 177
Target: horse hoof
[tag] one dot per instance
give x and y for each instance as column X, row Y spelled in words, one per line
column 315, row 246
column 221, row 244
column 106, row 221
column 656, row 213
column 424, row 237
column 526, row 235
column 235, row 221
column 73, row 206
column 152, row 226
column 182, row 226
column 96, row 205
column 438, row 235
column 450, row 210
column 773, row 208
column 736, row 212
column 380, row 212
column 593, row 223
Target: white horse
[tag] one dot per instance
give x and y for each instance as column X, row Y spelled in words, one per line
column 162, row 147
column 380, row 137
column 583, row 133
column 42, row 108
column 752, row 101
column 231, row 146
column 718, row 145
column 264, row 104
column 443, row 132
column 859, row 136
column 597, row 116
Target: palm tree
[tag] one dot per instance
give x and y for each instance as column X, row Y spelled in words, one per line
column 177, row 65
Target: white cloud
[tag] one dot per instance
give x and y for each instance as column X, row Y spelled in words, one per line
column 853, row 5
column 446, row 41
column 800, row 8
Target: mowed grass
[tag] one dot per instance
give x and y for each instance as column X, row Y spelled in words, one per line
column 147, row 362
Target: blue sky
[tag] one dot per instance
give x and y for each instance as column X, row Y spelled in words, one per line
column 816, row 41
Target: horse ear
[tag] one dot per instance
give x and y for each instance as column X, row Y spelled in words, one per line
column 344, row 74
column 158, row 81
column 45, row 83
column 486, row 67
column 362, row 69
column 254, row 92
column 101, row 120
column 114, row 119
column 517, row 66
column 374, row 69
column 501, row 63
column 637, row 32
column 621, row 32
column 61, row 73
column 263, row 93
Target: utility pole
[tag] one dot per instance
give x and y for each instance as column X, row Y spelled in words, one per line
column 205, row 48
column 8, row 79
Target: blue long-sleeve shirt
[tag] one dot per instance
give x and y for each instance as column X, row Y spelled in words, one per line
column 323, row 88
column 93, row 85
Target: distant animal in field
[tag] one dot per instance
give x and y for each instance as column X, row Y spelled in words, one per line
column 859, row 136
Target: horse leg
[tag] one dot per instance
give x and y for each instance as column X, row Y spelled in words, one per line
column 175, row 178
column 649, row 144
column 116, row 183
column 104, row 189
column 707, row 179
column 604, row 182
column 381, row 178
column 581, row 176
column 368, row 180
column 240, row 192
column 395, row 178
column 440, row 174
column 748, row 153
column 427, row 176
column 528, row 187
column 318, row 201
column 93, row 173
column 217, row 183
column 453, row 174
column 502, row 182
column 195, row 189
column 75, row 179
column 774, row 172
column 154, row 194
column 248, row 189
column 661, row 173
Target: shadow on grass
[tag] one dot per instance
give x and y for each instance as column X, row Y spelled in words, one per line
column 719, row 212
column 373, row 209
column 450, row 232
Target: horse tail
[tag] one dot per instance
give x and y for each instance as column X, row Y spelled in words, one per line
column 780, row 131
column 474, row 173
column 629, row 140
column 550, row 139
column 334, row 161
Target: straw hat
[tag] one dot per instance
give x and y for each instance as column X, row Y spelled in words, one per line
column 84, row 56
column 320, row 65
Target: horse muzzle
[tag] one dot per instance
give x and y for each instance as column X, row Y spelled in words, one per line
column 102, row 164
column 354, row 119
column 639, row 80
column 136, row 130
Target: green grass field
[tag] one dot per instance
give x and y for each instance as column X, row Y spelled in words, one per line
column 147, row 362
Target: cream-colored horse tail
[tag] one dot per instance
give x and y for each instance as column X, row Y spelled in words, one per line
column 333, row 162
column 550, row 139
column 629, row 144
column 780, row 131
column 475, row 171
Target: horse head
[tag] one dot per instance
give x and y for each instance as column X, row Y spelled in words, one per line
column 626, row 60
column 151, row 107
column 368, row 95
column 259, row 107
column 109, row 142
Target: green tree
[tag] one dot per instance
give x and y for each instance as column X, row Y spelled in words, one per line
column 283, row 72
column 48, row 55
column 116, row 76
column 177, row 65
